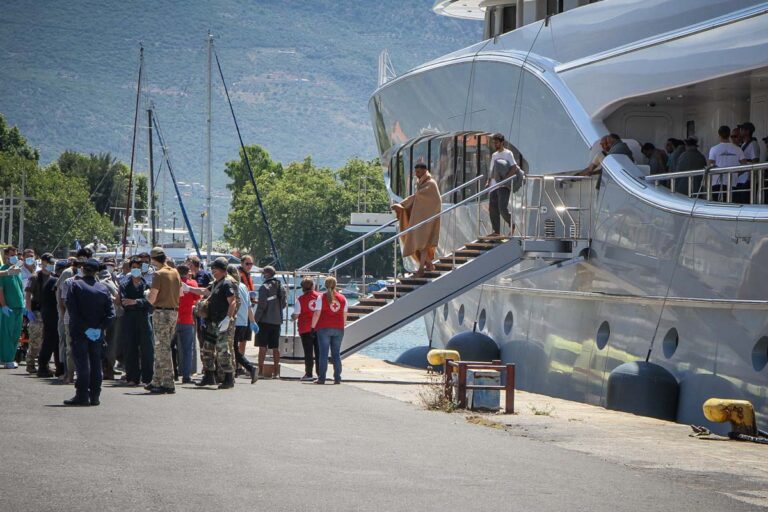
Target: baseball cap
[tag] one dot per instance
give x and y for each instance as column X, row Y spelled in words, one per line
column 220, row 263
column 156, row 251
column 91, row 264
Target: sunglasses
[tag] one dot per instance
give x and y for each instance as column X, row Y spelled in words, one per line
column 247, row 264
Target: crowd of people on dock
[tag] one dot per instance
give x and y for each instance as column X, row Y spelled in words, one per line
column 142, row 322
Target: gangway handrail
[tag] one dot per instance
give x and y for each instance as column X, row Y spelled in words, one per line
column 425, row 221
column 710, row 170
column 380, row 228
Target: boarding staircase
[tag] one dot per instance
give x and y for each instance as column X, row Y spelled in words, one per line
column 469, row 265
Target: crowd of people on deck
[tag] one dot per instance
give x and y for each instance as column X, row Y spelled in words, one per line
column 737, row 146
column 141, row 323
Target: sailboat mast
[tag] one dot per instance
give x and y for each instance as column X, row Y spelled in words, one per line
column 208, row 156
column 152, row 216
column 130, row 203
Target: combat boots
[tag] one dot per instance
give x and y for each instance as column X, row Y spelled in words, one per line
column 209, row 379
column 229, row 381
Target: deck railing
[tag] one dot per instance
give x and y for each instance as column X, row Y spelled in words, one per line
column 699, row 183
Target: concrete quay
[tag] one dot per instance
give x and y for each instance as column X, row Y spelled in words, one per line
column 282, row 445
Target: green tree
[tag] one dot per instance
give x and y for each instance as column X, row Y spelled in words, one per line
column 107, row 181
column 62, row 212
column 13, row 143
column 308, row 208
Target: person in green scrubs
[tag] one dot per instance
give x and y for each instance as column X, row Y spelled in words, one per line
column 11, row 308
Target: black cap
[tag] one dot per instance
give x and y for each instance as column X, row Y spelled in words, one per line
column 220, row 263
column 91, row 264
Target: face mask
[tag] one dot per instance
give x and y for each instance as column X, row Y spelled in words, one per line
column 29, row 261
column 13, row 260
column 50, row 268
column 80, row 272
column 135, row 272
column 110, row 268
column 145, row 268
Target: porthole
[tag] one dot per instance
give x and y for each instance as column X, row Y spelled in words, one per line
column 603, row 333
column 671, row 340
column 481, row 320
column 445, row 311
column 461, row 315
column 760, row 354
column 509, row 321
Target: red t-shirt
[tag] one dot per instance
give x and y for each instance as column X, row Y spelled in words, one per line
column 186, row 302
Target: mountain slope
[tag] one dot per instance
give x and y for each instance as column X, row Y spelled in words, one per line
column 300, row 73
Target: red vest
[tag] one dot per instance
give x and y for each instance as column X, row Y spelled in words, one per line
column 306, row 311
column 332, row 318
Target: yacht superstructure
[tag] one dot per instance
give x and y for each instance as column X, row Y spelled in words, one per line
column 675, row 278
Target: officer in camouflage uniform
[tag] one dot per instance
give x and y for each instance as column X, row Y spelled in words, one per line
column 164, row 295
column 219, row 327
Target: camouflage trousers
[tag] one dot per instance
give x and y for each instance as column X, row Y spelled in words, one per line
column 35, row 331
column 164, row 327
column 217, row 347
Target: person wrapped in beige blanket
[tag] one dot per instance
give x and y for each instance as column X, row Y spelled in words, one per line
column 421, row 243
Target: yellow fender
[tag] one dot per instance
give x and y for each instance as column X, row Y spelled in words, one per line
column 437, row 357
column 740, row 413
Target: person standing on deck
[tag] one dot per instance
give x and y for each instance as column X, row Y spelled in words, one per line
column 421, row 243
column 91, row 312
column 164, row 293
column 303, row 310
column 503, row 165
column 32, row 292
column 11, row 309
column 328, row 320
column 269, row 317
column 222, row 308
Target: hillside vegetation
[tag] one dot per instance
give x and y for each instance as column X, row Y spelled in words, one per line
column 300, row 73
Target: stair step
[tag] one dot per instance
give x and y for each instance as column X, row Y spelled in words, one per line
column 432, row 275
column 492, row 239
column 472, row 253
column 389, row 294
column 371, row 301
column 403, row 287
column 444, row 266
column 482, row 246
column 352, row 318
column 418, row 281
column 459, row 259
column 361, row 309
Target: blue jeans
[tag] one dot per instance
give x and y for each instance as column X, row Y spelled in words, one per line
column 186, row 346
column 329, row 338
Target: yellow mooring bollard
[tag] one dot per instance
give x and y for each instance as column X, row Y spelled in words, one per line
column 437, row 356
column 740, row 413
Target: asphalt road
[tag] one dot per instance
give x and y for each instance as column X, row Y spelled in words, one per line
column 282, row 445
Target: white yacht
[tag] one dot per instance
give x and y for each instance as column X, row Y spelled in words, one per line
column 650, row 268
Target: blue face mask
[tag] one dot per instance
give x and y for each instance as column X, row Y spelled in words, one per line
column 135, row 272
column 50, row 268
column 13, row 260
column 29, row 261
column 145, row 268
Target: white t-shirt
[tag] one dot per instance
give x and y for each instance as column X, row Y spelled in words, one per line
column 725, row 154
column 504, row 154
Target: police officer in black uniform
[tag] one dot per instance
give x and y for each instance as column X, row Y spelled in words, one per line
column 91, row 312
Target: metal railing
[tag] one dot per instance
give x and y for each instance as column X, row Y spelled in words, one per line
column 699, row 183
column 573, row 215
column 378, row 229
column 395, row 238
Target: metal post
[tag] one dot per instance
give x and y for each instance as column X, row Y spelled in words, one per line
column 364, row 288
column 208, row 155
column 708, row 182
column 10, row 219
column 448, row 387
column 21, row 208
column 752, row 179
column 509, row 391
column 152, row 216
column 462, row 391
column 394, row 293
column 2, row 219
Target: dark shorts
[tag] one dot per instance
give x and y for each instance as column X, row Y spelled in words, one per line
column 269, row 335
column 242, row 333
